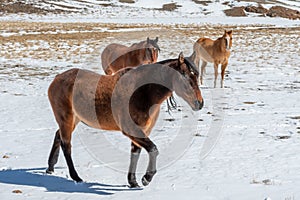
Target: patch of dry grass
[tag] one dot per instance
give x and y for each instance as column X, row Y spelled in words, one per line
column 72, row 41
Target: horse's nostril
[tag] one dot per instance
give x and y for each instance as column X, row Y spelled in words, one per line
column 199, row 104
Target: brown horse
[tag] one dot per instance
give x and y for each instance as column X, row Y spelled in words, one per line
column 128, row 101
column 213, row 51
column 116, row 56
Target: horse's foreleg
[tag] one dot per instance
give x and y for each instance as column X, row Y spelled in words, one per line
column 135, row 154
column 66, row 132
column 216, row 74
column 153, row 153
column 197, row 61
column 203, row 65
column 224, row 65
column 53, row 157
column 151, row 169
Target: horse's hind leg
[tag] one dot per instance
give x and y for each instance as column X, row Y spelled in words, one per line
column 53, row 157
column 135, row 154
column 203, row 65
column 66, row 133
column 216, row 74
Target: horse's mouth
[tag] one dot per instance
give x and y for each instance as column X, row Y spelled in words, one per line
column 198, row 105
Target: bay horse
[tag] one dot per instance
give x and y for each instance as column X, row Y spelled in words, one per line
column 213, row 51
column 104, row 102
column 116, row 56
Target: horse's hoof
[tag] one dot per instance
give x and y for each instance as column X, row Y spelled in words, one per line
column 145, row 181
column 134, row 185
column 49, row 171
column 78, row 180
column 147, row 178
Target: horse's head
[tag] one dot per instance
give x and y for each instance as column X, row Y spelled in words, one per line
column 152, row 49
column 227, row 38
column 186, row 84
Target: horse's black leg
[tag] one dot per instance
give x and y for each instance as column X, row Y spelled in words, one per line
column 53, row 157
column 151, row 169
column 135, row 154
column 66, row 147
column 153, row 153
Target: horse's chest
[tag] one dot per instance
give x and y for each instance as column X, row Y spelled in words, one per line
column 221, row 58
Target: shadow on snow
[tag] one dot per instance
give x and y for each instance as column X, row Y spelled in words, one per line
column 38, row 178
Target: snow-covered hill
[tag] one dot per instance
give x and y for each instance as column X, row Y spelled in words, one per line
column 139, row 11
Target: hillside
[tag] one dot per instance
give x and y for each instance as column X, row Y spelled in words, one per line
column 148, row 11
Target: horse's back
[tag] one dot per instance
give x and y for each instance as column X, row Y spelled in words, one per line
column 84, row 95
column 205, row 42
column 62, row 87
column 115, row 47
column 204, row 49
column 113, row 50
column 111, row 56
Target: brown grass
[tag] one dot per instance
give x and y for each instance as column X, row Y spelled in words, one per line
column 55, row 41
column 127, row 1
column 202, row 2
column 170, row 7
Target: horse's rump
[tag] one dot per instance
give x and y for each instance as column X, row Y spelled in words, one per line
column 116, row 56
column 112, row 53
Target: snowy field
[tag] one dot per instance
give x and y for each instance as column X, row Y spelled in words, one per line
column 243, row 144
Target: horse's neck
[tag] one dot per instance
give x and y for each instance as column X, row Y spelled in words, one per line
column 164, row 87
column 137, row 46
column 218, row 45
column 158, row 93
column 135, row 51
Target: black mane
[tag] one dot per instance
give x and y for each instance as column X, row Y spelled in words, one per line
column 191, row 65
column 171, row 101
column 154, row 44
column 166, row 61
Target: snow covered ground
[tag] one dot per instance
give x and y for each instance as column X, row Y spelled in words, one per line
column 148, row 12
column 244, row 144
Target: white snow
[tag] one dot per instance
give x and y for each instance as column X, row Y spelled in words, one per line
column 147, row 12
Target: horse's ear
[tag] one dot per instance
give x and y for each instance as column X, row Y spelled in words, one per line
column 148, row 40
column 181, row 58
column 229, row 32
column 156, row 40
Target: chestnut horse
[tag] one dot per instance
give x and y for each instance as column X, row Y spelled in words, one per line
column 105, row 102
column 213, row 51
column 116, row 56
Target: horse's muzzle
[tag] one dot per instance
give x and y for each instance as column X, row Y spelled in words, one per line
column 198, row 105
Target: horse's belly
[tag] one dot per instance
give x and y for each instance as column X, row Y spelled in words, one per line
column 96, row 116
column 100, row 122
column 205, row 56
column 107, row 122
